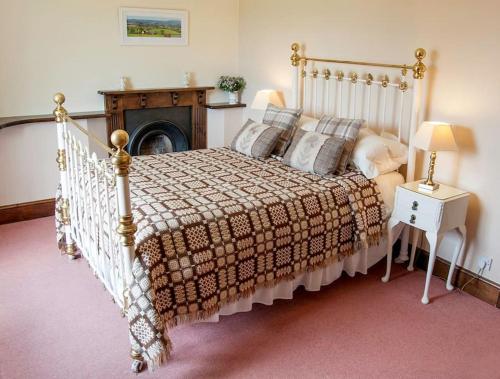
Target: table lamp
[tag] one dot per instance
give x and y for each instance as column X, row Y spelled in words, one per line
column 265, row 97
column 433, row 136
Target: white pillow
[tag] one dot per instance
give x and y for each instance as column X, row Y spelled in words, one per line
column 307, row 123
column 398, row 150
column 375, row 155
column 363, row 132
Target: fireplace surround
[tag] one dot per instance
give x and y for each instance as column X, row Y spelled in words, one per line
column 158, row 120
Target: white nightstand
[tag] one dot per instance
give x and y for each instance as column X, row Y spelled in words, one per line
column 434, row 213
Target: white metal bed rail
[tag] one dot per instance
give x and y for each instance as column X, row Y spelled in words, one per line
column 95, row 204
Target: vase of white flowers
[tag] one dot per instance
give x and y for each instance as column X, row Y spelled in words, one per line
column 233, row 97
column 232, row 85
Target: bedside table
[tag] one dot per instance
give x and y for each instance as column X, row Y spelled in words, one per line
column 435, row 213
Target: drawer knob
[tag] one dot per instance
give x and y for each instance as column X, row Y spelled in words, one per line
column 414, row 205
column 412, row 219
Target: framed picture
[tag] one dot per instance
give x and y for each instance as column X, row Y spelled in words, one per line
column 141, row 26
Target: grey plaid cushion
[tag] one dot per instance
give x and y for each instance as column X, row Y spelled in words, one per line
column 345, row 128
column 285, row 119
column 314, row 152
column 256, row 140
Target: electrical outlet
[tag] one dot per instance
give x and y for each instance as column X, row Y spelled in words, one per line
column 485, row 262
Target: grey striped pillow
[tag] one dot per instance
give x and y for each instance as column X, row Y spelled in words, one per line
column 285, row 119
column 345, row 128
column 256, row 140
column 314, row 152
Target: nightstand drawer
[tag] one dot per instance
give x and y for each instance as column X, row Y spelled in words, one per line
column 416, row 209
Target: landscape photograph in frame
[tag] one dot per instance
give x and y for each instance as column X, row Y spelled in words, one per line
column 141, row 26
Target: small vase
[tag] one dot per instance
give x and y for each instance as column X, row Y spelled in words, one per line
column 233, row 97
column 123, row 83
column 187, row 79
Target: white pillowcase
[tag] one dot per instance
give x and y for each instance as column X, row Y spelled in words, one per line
column 375, row 155
column 307, row 123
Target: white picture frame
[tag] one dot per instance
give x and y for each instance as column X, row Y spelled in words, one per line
column 153, row 27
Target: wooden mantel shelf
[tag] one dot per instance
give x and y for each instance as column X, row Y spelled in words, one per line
column 224, row 105
column 18, row 120
column 153, row 90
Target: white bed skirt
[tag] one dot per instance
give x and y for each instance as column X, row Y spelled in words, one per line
column 312, row 281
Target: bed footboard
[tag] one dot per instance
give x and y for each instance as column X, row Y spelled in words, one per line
column 95, row 208
column 62, row 162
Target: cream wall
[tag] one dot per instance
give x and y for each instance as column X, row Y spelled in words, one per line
column 73, row 46
column 461, row 37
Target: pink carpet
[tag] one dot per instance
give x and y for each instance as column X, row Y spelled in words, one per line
column 56, row 321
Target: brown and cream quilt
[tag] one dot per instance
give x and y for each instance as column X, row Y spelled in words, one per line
column 213, row 225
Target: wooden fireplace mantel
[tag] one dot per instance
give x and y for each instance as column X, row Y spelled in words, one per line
column 116, row 102
column 153, row 90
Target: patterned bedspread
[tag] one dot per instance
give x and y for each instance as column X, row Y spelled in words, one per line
column 213, row 225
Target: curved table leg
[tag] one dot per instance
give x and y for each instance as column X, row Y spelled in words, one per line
column 403, row 252
column 458, row 252
column 414, row 243
column 390, row 226
column 434, row 240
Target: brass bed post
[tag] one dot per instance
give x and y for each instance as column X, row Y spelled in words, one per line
column 418, row 69
column 121, row 161
column 296, row 63
column 62, row 162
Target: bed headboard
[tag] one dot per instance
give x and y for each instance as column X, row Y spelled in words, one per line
column 382, row 94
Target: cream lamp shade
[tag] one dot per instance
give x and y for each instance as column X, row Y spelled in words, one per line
column 435, row 136
column 265, row 97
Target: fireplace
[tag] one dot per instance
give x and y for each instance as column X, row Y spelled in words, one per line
column 159, row 120
column 157, row 137
column 158, row 130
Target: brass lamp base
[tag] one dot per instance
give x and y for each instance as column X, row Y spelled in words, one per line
column 428, row 187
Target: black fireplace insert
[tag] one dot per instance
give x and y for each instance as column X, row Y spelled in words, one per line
column 158, row 130
column 157, row 137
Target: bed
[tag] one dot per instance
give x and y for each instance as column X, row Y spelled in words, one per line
column 190, row 236
column 358, row 262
